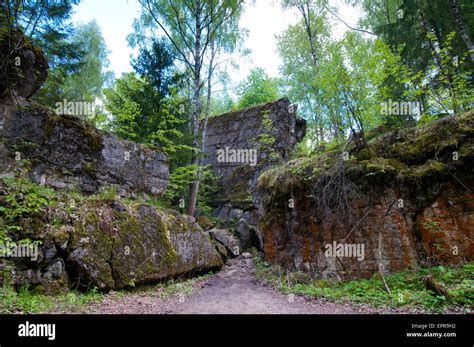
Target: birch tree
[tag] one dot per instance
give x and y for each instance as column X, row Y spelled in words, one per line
column 193, row 27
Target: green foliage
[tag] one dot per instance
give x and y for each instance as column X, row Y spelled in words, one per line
column 407, row 287
column 407, row 23
column 257, row 88
column 139, row 113
column 25, row 301
column 86, row 82
column 340, row 91
column 154, row 61
column 266, row 139
column 342, row 84
column 108, row 194
column 23, row 199
column 182, row 177
column 448, row 87
column 222, row 104
column 50, row 31
column 267, row 124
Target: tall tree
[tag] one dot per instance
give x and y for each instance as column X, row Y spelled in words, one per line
column 342, row 93
column 418, row 30
column 465, row 34
column 192, row 27
column 48, row 24
column 303, row 47
column 307, row 9
column 407, row 23
column 87, row 82
column 257, row 88
column 141, row 114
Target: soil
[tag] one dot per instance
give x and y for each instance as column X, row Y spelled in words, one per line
column 233, row 290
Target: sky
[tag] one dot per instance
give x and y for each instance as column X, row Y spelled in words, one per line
column 263, row 19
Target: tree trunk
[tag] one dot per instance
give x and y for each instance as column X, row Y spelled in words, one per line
column 307, row 20
column 208, row 101
column 193, row 190
column 462, row 29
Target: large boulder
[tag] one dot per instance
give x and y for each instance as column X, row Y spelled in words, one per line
column 225, row 238
column 246, row 233
column 111, row 245
column 84, row 239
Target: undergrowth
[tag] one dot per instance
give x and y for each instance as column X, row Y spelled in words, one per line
column 407, row 287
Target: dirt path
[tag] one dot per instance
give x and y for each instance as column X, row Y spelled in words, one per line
column 234, row 290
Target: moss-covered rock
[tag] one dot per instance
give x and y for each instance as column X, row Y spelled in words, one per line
column 111, row 245
column 205, row 222
column 406, row 197
column 67, row 153
column 23, row 79
column 113, row 248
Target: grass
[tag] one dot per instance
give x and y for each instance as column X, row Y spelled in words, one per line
column 28, row 302
column 24, row 301
column 407, row 287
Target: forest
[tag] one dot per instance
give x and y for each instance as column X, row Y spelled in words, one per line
column 363, row 139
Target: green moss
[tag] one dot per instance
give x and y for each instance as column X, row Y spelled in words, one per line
column 266, row 179
column 431, row 169
column 379, row 166
column 90, row 168
column 130, row 223
column 380, row 130
column 240, row 192
column 169, row 255
column 365, row 154
column 407, row 155
column 434, row 139
column 466, row 151
column 94, row 138
column 99, row 248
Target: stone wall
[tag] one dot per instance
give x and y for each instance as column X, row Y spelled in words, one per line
column 410, row 203
column 66, row 153
column 271, row 131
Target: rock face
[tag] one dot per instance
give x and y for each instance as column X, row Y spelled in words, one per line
column 95, row 243
column 24, row 66
column 67, row 154
column 110, row 245
column 413, row 204
column 242, row 144
column 84, row 240
column 226, row 239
